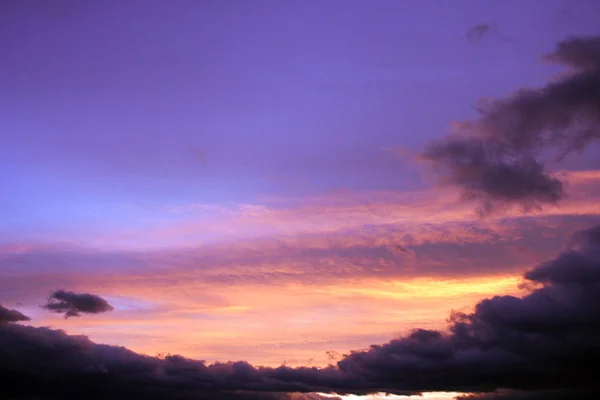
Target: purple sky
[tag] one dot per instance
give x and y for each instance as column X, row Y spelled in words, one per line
column 110, row 108
column 240, row 180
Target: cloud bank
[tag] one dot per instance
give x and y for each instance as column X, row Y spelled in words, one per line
column 73, row 304
column 544, row 342
column 535, row 395
column 499, row 159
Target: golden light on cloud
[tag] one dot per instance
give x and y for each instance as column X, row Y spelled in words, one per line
column 432, row 288
column 338, row 275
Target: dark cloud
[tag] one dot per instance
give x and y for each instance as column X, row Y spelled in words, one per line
column 476, row 33
column 479, row 32
column 43, row 361
column 73, row 304
column 546, row 342
column 403, row 249
column 534, row 395
column 485, row 174
column 8, row 315
column 499, row 158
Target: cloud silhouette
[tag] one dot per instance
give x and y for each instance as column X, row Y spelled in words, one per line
column 73, row 304
column 545, row 342
column 8, row 315
column 43, row 361
column 532, row 395
column 482, row 169
column 479, row 32
column 496, row 159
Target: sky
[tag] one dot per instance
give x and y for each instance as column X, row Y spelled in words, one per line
column 287, row 182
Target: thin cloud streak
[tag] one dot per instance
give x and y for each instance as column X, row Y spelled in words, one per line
column 291, row 216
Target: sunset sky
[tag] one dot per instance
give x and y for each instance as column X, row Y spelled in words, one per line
column 245, row 180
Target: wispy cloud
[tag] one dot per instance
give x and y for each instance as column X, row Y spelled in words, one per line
column 332, row 257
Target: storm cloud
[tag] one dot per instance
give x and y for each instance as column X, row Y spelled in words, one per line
column 500, row 159
column 544, row 342
column 73, row 304
column 8, row 315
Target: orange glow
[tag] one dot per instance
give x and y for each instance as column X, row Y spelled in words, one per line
column 295, row 323
column 341, row 274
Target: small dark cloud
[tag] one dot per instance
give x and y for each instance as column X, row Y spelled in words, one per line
column 8, row 315
column 403, row 249
column 479, row 32
column 73, row 304
column 496, row 160
column 476, row 33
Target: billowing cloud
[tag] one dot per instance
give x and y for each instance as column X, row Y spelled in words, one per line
column 8, row 315
column 544, row 341
column 73, row 304
column 498, row 159
column 484, row 171
column 58, row 365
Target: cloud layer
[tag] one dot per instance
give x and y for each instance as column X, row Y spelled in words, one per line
column 498, row 159
column 544, row 341
column 73, row 304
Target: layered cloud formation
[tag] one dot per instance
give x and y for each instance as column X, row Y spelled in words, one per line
column 541, row 345
column 498, row 159
column 544, row 341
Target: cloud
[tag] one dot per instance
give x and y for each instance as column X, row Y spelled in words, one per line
column 479, row 32
column 532, row 395
column 499, row 159
column 43, row 361
column 480, row 168
column 73, row 304
column 544, row 341
column 8, row 315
